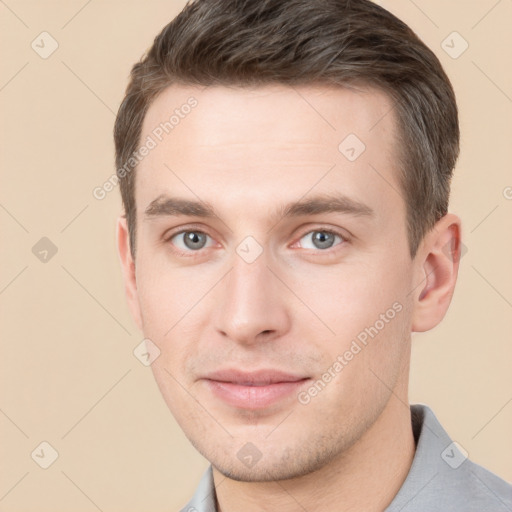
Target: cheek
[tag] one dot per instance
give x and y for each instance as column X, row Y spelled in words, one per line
column 176, row 397
column 368, row 363
column 165, row 296
column 348, row 298
column 366, row 312
column 172, row 309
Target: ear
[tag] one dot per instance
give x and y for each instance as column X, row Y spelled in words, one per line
column 128, row 268
column 437, row 269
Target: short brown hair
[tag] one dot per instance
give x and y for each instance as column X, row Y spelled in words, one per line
column 299, row 42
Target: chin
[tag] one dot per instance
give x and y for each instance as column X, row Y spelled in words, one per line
column 263, row 473
column 290, row 464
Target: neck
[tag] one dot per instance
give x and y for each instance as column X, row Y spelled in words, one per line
column 366, row 477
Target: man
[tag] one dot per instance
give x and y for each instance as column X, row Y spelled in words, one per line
column 285, row 170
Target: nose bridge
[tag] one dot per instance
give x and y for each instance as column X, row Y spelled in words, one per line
column 250, row 302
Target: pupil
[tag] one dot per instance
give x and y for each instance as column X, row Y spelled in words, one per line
column 323, row 239
column 192, row 239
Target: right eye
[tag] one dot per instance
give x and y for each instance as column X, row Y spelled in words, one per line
column 188, row 241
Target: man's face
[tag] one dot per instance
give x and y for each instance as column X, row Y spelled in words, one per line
column 278, row 298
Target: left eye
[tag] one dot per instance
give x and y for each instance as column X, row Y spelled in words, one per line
column 190, row 240
column 321, row 239
column 193, row 241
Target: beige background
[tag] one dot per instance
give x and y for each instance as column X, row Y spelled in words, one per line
column 68, row 373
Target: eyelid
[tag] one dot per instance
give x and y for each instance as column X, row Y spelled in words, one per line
column 324, row 229
column 171, row 233
column 168, row 235
column 183, row 229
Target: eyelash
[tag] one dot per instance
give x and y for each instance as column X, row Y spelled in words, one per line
column 192, row 254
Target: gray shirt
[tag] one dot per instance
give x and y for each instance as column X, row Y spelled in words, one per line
column 441, row 477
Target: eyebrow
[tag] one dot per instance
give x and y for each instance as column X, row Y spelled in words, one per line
column 324, row 203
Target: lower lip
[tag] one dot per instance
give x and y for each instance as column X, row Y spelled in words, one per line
column 254, row 397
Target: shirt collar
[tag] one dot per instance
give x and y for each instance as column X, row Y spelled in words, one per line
column 435, row 458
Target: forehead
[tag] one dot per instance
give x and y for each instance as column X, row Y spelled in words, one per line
column 232, row 142
column 260, row 113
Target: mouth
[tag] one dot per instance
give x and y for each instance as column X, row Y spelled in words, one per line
column 254, row 390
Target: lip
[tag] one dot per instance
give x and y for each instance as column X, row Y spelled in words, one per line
column 253, row 390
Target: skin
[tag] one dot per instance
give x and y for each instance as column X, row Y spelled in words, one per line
column 299, row 305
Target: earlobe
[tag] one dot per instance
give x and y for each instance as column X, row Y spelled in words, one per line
column 128, row 268
column 438, row 265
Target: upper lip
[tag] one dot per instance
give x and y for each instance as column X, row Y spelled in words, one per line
column 254, row 378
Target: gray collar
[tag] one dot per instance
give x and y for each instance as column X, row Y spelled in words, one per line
column 440, row 478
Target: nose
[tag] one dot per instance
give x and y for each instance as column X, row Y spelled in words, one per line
column 252, row 303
